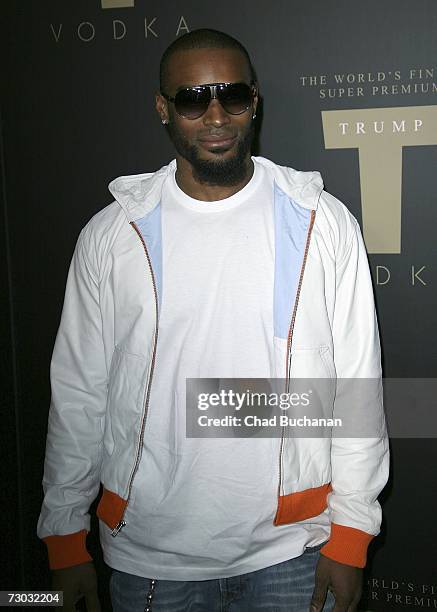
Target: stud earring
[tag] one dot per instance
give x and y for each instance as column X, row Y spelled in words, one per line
column 164, row 121
column 254, row 116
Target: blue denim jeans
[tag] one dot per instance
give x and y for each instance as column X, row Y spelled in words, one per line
column 287, row 586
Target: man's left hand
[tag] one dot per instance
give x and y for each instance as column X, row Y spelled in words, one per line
column 344, row 581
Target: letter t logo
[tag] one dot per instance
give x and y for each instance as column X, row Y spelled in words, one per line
column 379, row 135
column 110, row 4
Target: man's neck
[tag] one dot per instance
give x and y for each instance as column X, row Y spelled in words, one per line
column 205, row 191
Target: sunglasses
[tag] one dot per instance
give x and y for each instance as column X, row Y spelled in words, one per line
column 193, row 102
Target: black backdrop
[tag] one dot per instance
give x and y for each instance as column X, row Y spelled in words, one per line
column 77, row 110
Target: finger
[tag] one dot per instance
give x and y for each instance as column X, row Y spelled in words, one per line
column 318, row 597
column 341, row 606
column 353, row 603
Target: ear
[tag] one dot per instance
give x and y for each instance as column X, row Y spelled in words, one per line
column 161, row 107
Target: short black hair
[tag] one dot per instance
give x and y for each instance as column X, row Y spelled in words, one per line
column 203, row 38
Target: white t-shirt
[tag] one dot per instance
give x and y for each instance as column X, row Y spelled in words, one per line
column 204, row 508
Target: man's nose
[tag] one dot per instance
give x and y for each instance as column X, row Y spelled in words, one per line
column 215, row 114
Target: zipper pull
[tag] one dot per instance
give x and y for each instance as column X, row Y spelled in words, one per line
column 118, row 528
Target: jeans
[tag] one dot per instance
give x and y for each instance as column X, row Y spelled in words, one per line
column 287, row 586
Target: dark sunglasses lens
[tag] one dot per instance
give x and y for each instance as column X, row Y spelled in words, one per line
column 235, row 98
column 192, row 103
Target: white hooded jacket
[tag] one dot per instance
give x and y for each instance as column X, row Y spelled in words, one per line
column 102, row 368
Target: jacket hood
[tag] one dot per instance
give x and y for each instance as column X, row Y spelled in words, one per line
column 138, row 194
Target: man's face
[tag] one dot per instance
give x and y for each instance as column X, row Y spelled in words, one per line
column 217, row 144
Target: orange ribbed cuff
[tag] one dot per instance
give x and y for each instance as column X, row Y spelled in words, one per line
column 111, row 508
column 301, row 505
column 67, row 550
column 347, row 545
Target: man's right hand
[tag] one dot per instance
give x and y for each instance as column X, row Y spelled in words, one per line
column 76, row 582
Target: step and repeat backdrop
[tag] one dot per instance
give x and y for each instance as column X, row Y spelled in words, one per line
column 348, row 88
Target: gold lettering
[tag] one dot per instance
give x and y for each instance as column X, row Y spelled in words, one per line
column 182, row 27
column 385, row 270
column 111, row 4
column 89, row 29
column 148, row 28
column 415, row 275
column 380, row 159
column 58, row 33
column 118, row 35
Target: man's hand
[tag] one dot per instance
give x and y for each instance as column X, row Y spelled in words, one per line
column 344, row 581
column 77, row 581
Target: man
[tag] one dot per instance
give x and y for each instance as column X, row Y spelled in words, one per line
column 219, row 265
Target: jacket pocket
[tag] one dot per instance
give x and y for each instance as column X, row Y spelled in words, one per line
column 306, row 362
column 124, row 409
column 108, row 438
column 328, row 360
column 312, row 363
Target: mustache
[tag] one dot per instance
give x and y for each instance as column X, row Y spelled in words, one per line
column 217, row 134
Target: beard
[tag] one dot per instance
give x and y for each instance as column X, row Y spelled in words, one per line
column 220, row 172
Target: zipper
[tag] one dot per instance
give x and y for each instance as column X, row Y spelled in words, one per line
column 290, row 337
column 122, row 522
column 119, row 526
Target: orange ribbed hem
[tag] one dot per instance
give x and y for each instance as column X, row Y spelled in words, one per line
column 302, row 505
column 67, row 550
column 347, row 545
column 111, row 508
